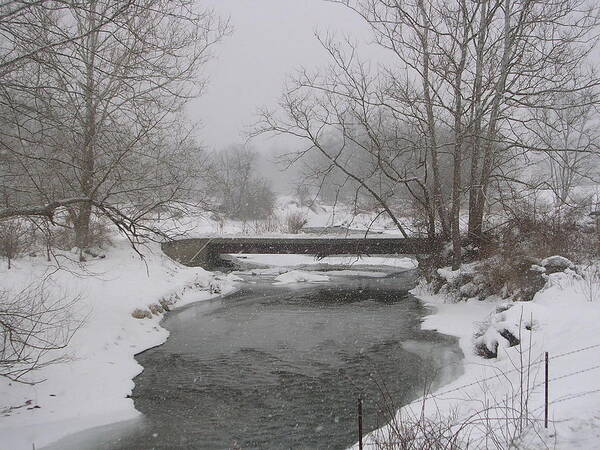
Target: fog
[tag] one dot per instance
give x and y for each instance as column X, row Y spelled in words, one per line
column 271, row 39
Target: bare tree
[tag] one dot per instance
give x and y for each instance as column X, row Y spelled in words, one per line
column 102, row 111
column 15, row 13
column 568, row 131
column 239, row 193
column 458, row 93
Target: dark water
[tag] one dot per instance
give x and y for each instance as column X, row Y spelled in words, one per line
column 281, row 367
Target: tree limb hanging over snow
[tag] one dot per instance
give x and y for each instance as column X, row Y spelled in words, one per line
column 45, row 210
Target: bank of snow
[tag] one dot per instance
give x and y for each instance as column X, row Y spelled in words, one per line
column 562, row 321
column 92, row 388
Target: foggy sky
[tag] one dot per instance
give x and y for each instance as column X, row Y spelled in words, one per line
column 271, row 39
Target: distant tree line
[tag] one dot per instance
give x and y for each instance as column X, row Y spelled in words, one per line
column 238, row 191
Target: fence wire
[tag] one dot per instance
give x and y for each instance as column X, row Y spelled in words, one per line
column 503, row 374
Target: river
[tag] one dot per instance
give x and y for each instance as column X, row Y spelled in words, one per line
column 282, row 367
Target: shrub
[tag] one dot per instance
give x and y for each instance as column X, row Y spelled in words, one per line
column 100, row 232
column 510, row 277
column 532, row 233
column 590, row 285
column 13, row 240
column 271, row 224
column 33, row 323
column 542, row 231
column 295, row 221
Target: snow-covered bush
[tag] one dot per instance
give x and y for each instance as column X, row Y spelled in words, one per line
column 37, row 236
column 270, row 224
column 100, row 233
column 518, row 278
column 489, row 277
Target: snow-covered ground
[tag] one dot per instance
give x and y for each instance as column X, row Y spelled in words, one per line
column 564, row 323
column 92, row 387
column 317, row 216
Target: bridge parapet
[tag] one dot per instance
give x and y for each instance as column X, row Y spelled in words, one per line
column 204, row 252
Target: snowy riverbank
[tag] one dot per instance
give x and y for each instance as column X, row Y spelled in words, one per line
column 564, row 323
column 92, row 387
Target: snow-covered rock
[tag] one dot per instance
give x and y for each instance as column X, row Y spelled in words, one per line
column 556, row 264
column 506, row 327
column 538, row 268
column 469, row 290
column 448, row 274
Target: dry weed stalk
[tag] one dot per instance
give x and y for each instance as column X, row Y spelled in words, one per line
column 499, row 422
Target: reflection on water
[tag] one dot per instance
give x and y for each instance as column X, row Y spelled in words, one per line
column 281, row 367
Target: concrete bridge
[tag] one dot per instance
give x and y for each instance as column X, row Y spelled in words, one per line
column 204, row 252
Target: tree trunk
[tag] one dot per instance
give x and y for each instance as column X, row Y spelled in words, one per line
column 438, row 196
column 82, row 226
column 458, row 147
column 474, row 187
column 492, row 133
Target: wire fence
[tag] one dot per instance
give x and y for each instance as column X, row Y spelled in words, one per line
column 503, row 374
column 527, row 366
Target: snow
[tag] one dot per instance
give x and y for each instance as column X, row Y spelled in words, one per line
column 399, row 262
column 449, row 275
column 563, row 322
column 201, row 224
column 92, row 387
column 299, row 276
column 556, row 261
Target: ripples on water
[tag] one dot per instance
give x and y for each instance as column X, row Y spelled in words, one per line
column 280, row 367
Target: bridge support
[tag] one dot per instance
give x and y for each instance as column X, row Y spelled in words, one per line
column 202, row 255
column 206, row 257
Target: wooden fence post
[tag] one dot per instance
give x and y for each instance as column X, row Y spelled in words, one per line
column 360, row 430
column 546, row 394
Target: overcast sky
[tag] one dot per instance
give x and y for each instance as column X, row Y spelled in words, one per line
column 271, row 39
